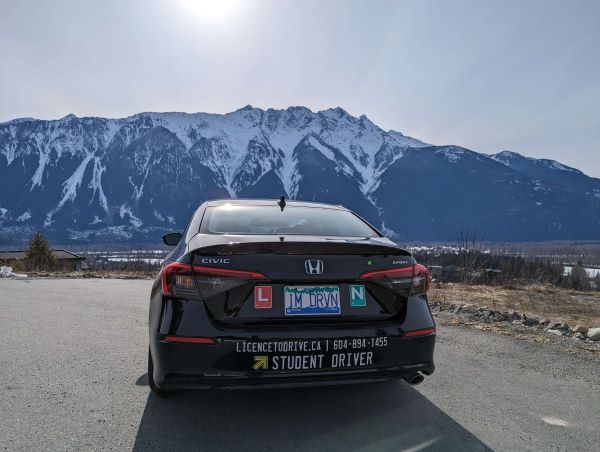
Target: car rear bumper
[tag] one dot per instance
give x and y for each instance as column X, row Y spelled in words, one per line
column 175, row 381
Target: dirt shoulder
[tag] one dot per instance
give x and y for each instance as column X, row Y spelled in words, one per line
column 91, row 274
column 539, row 301
column 535, row 313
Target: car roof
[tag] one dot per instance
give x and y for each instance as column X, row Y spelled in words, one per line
column 270, row 202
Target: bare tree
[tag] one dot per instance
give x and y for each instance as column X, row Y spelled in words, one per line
column 471, row 258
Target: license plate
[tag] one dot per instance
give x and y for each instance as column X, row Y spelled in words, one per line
column 312, row 300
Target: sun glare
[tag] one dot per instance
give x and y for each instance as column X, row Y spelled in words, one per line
column 210, row 9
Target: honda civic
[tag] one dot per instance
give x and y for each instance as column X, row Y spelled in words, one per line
column 272, row 293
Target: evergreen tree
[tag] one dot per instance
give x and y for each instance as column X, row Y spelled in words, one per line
column 39, row 255
column 579, row 278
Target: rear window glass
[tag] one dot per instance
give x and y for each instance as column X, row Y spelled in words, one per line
column 265, row 220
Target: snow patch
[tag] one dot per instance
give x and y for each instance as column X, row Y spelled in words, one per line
column 5, row 272
column 96, row 184
column 538, row 185
column 408, row 142
column 36, row 179
column 113, row 232
column 10, row 145
column 559, row 166
column 453, row 155
column 329, row 154
column 24, row 216
column 133, row 220
column 388, row 232
column 507, row 157
column 70, row 187
column 72, row 184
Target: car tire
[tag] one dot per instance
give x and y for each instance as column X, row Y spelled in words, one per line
column 155, row 389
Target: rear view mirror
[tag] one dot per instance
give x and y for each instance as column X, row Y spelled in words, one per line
column 172, row 238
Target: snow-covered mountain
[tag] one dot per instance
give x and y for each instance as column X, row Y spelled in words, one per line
column 133, row 178
column 569, row 178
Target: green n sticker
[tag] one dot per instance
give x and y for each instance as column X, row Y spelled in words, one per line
column 358, row 295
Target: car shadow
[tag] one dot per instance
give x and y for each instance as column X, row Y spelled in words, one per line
column 383, row 416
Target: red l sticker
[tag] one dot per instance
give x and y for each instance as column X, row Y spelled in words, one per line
column 263, row 297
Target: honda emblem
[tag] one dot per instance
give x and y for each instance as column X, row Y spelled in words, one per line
column 313, row 266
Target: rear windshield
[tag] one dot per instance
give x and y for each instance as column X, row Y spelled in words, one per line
column 265, row 220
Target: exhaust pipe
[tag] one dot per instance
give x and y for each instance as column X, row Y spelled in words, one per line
column 415, row 380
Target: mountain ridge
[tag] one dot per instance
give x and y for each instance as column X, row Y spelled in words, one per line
column 94, row 178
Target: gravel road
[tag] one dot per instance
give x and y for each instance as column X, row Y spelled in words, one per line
column 73, row 376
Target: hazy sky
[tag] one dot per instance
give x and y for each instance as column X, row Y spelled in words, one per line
column 487, row 75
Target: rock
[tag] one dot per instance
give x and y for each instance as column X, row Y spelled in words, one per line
column 545, row 322
column 557, row 332
column 530, row 321
column 563, row 326
column 553, row 325
column 593, row 334
column 580, row 329
column 458, row 310
column 513, row 314
column 579, row 336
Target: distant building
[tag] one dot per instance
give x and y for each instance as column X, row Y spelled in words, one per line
column 66, row 260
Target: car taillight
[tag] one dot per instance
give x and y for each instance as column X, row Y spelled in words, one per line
column 413, row 280
column 184, row 281
column 421, row 280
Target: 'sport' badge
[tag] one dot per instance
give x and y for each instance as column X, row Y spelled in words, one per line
column 263, row 297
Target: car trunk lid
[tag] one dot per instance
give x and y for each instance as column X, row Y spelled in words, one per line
column 306, row 281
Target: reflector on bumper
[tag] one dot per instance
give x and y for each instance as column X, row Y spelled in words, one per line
column 417, row 333
column 190, row 340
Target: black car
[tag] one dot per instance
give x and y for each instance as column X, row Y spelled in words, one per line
column 269, row 293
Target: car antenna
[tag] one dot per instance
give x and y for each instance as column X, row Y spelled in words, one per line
column 281, row 202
